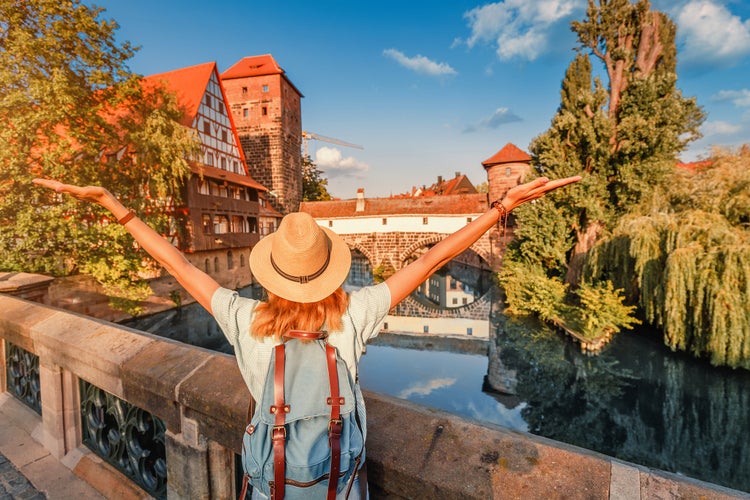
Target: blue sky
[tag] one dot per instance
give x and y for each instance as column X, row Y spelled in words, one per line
column 431, row 88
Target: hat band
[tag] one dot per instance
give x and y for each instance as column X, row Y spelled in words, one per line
column 302, row 279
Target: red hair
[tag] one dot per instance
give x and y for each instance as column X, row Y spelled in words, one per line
column 278, row 316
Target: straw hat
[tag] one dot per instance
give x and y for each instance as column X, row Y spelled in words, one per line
column 301, row 261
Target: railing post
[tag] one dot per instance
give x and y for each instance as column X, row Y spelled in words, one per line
column 187, row 463
column 53, row 423
column 221, row 471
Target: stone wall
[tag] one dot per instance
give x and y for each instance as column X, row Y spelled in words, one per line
column 413, row 451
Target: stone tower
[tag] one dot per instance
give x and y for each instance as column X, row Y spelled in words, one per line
column 505, row 169
column 266, row 110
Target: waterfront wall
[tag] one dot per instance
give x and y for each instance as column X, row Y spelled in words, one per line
column 413, row 452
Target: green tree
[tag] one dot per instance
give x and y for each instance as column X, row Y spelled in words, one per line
column 622, row 136
column 314, row 185
column 685, row 260
column 73, row 111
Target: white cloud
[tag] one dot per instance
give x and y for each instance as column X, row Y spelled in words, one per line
column 740, row 98
column 333, row 163
column 715, row 128
column 501, row 116
column 425, row 388
column 518, row 28
column 709, row 33
column 420, row 64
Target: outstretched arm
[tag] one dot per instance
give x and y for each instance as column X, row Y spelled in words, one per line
column 404, row 281
column 197, row 283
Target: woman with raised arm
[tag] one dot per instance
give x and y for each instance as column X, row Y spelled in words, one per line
column 302, row 266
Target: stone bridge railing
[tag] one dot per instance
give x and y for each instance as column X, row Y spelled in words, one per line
column 413, row 452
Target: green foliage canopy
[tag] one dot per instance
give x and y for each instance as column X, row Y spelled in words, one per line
column 623, row 136
column 73, row 111
column 314, row 185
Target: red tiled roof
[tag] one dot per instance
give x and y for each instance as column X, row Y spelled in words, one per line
column 256, row 66
column 695, row 166
column 253, row 66
column 189, row 84
column 432, row 205
column 509, row 154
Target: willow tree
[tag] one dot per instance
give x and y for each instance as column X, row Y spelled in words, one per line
column 686, row 260
column 72, row 110
column 623, row 136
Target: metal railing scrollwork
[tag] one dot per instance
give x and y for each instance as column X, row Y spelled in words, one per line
column 23, row 376
column 126, row 437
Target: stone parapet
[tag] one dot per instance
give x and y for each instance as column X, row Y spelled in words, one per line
column 413, row 451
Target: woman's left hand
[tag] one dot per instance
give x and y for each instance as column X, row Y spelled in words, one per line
column 534, row 190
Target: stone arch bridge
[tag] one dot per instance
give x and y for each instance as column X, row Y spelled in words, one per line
column 392, row 250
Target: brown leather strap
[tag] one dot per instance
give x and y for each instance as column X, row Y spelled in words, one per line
column 243, row 493
column 305, row 335
column 279, row 409
column 335, row 426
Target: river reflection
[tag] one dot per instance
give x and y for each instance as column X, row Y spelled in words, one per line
column 636, row 401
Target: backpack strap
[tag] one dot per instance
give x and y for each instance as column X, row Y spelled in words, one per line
column 278, row 436
column 335, row 425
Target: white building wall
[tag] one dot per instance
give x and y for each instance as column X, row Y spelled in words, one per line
column 398, row 223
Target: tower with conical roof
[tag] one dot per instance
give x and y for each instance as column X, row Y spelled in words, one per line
column 505, row 169
column 266, row 109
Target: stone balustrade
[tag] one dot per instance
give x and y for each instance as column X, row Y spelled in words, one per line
column 413, row 452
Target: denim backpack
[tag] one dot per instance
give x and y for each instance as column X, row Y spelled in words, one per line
column 305, row 428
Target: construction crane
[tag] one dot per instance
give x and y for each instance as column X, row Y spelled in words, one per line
column 306, row 136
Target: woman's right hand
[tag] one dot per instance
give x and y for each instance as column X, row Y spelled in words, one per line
column 94, row 194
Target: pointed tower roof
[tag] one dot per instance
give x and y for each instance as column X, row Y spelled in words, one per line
column 256, row 66
column 189, row 84
column 509, row 154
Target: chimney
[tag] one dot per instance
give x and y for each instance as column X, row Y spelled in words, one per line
column 440, row 179
column 458, row 174
column 360, row 200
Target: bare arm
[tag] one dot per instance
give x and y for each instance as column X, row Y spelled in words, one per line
column 404, row 281
column 197, row 283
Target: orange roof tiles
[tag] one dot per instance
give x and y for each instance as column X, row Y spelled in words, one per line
column 433, row 205
column 509, row 154
column 253, row 66
column 189, row 84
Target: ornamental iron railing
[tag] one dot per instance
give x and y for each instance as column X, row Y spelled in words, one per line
column 22, row 369
column 125, row 436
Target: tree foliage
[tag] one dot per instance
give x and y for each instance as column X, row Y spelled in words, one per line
column 686, row 260
column 73, row 111
column 314, row 185
column 622, row 136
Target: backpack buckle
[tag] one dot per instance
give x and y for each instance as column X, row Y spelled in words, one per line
column 335, row 426
column 279, row 432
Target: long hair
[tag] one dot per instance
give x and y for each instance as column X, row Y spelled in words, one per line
column 278, row 316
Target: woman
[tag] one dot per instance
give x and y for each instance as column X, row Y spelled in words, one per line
column 302, row 266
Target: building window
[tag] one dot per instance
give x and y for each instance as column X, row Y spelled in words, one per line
column 465, row 301
column 221, row 224
column 469, row 331
column 242, row 260
column 206, row 127
column 507, row 171
column 216, row 264
column 230, row 260
column 330, row 223
column 253, row 224
column 208, row 100
column 468, row 220
column 264, row 110
column 206, row 224
column 385, row 325
column 207, row 266
column 385, row 221
column 224, row 136
column 455, row 300
column 244, row 90
column 203, row 187
column 221, row 107
column 424, row 221
column 426, row 329
column 265, row 88
column 245, row 112
column 223, row 163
